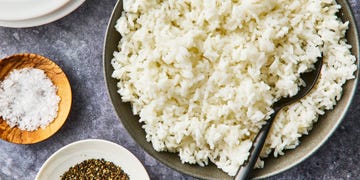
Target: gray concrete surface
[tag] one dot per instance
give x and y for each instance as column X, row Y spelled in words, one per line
column 75, row 43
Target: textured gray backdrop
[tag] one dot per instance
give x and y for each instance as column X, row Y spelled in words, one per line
column 75, row 43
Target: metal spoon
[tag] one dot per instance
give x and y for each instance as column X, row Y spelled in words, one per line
column 310, row 79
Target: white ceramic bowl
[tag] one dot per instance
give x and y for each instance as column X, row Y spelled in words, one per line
column 48, row 11
column 76, row 152
column 20, row 9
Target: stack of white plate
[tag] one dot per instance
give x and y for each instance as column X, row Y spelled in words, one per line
column 28, row 13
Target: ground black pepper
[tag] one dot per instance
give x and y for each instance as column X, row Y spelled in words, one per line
column 95, row 169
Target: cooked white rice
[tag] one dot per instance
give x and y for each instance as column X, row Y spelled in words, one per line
column 202, row 75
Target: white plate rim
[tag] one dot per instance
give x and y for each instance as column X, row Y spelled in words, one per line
column 48, row 18
column 14, row 10
column 131, row 165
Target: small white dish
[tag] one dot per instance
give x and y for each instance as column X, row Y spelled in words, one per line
column 58, row 11
column 74, row 153
column 14, row 10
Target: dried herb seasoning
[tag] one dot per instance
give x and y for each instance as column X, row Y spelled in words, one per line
column 95, row 169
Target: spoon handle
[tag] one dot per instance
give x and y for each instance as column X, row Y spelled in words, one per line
column 245, row 170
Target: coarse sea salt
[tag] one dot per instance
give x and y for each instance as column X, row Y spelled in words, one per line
column 28, row 99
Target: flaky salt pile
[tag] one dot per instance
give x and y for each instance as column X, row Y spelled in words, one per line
column 28, row 99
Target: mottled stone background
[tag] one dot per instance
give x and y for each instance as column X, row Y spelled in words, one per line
column 75, row 43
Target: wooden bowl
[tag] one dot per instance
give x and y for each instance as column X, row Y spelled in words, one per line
column 57, row 76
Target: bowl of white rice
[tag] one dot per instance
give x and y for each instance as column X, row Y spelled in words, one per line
column 194, row 81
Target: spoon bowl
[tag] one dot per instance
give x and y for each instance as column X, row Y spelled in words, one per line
column 59, row 79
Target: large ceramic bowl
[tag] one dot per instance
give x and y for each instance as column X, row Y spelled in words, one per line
column 309, row 144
